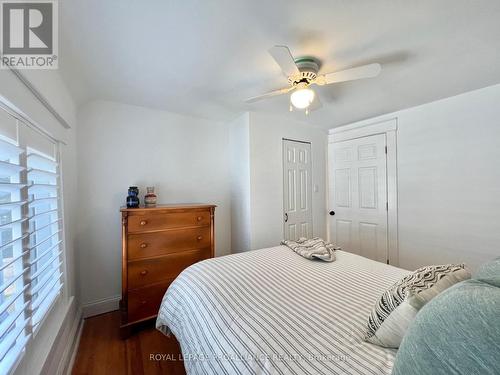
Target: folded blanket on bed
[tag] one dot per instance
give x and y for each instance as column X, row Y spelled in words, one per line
column 315, row 248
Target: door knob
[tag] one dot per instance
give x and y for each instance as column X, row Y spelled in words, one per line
column 286, row 217
column 332, row 213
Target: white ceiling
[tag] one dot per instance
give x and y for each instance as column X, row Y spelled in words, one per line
column 205, row 57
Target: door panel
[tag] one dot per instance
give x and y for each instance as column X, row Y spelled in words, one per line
column 358, row 195
column 291, row 191
column 343, row 232
column 367, row 238
column 367, row 178
column 343, row 187
column 297, row 190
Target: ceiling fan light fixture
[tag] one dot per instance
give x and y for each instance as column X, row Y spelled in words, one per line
column 302, row 98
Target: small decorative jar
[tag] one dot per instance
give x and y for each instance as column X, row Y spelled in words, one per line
column 133, row 197
column 150, row 197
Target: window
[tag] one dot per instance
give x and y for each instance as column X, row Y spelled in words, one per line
column 31, row 257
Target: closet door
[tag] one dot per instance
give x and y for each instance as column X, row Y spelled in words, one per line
column 297, row 186
column 358, row 196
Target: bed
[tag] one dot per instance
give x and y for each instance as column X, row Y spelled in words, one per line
column 270, row 311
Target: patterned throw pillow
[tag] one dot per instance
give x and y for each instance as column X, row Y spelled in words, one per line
column 399, row 305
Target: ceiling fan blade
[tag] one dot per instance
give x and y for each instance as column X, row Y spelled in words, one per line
column 365, row 71
column 269, row 94
column 284, row 58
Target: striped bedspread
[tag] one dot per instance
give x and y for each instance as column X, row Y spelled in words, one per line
column 271, row 311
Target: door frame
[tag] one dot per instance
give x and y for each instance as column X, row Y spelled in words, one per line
column 389, row 127
column 283, row 182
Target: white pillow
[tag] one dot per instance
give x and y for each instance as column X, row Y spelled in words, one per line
column 398, row 306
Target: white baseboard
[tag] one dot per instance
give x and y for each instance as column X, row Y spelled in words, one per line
column 65, row 342
column 101, row 306
column 73, row 349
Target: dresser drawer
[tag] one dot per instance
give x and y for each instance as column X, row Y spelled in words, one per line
column 151, row 222
column 145, row 245
column 145, row 302
column 149, row 271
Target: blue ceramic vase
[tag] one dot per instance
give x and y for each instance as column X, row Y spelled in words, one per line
column 133, row 197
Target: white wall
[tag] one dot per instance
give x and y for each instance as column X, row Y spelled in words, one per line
column 185, row 158
column 240, row 184
column 266, row 175
column 237, row 166
column 64, row 317
column 449, row 179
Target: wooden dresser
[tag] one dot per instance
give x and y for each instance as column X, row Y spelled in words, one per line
column 157, row 244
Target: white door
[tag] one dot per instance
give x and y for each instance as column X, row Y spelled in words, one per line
column 358, row 196
column 297, row 186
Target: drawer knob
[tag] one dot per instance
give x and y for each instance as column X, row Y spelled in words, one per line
column 199, row 238
column 199, row 218
column 143, row 222
column 144, row 245
column 144, row 273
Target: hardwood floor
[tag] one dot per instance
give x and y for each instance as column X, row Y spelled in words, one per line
column 102, row 352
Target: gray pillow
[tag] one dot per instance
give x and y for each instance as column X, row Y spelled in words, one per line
column 398, row 306
column 489, row 272
column 458, row 332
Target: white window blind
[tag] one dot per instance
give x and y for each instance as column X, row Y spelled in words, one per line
column 31, row 257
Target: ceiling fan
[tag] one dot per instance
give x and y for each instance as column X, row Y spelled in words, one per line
column 302, row 72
